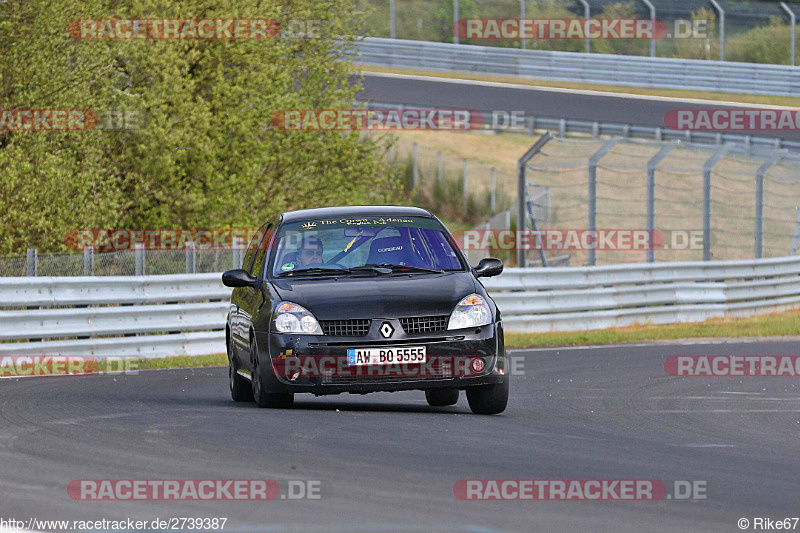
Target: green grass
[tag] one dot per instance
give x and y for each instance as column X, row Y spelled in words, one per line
column 773, row 325
column 182, row 361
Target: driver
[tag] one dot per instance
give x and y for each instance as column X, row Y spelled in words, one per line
column 309, row 252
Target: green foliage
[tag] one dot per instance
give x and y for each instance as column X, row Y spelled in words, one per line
column 208, row 155
column 766, row 44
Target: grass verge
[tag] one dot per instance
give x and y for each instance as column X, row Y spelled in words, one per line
column 645, row 91
column 182, row 361
column 772, row 325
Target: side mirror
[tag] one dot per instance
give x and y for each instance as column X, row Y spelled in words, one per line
column 489, row 267
column 238, row 278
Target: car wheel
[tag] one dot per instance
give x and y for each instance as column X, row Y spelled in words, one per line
column 241, row 391
column 441, row 397
column 261, row 393
column 488, row 399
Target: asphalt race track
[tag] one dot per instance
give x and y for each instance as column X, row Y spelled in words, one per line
column 536, row 101
column 388, row 462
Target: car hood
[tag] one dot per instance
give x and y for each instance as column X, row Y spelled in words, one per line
column 380, row 296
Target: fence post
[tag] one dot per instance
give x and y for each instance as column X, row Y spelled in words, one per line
column 493, row 201
column 455, row 21
column 391, row 155
column 521, row 189
column 416, row 165
column 466, row 195
column 32, row 262
column 392, row 32
column 138, row 251
column 237, row 259
column 592, row 199
column 88, row 260
column 707, row 166
column 652, row 27
column 793, row 19
column 796, row 233
column 522, row 42
column 440, row 169
column 191, row 258
column 651, row 199
column 758, row 251
column 586, row 15
column 721, row 28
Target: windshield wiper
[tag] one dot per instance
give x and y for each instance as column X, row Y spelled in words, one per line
column 314, row 270
column 409, row 268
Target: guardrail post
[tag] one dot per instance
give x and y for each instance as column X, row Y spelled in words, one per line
column 191, row 258
column 562, row 128
column 466, row 195
column 532, row 127
column 595, row 130
column 32, row 261
column 707, row 166
column 721, row 28
column 439, row 169
column 138, row 251
column 237, row 255
column 586, row 14
column 527, row 156
column 758, row 253
column 592, row 200
column 415, row 165
column 494, row 191
column 794, row 25
column 392, row 32
column 455, row 20
column 652, row 27
column 651, row 198
column 88, row 261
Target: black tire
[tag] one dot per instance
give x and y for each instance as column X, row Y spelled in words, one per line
column 441, row 397
column 488, row 399
column 261, row 384
column 241, row 390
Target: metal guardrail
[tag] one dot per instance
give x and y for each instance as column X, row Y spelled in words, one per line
column 634, row 71
column 156, row 316
column 568, row 126
column 584, row 298
column 142, row 316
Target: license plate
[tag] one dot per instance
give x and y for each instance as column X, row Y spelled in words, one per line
column 386, row 356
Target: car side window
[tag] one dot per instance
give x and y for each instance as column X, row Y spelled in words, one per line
column 250, row 254
column 262, row 252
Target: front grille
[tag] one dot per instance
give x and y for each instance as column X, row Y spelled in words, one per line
column 424, row 324
column 357, row 327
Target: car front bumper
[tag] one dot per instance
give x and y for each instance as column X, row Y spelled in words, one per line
column 317, row 364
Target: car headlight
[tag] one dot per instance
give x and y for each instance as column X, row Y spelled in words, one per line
column 293, row 318
column 470, row 312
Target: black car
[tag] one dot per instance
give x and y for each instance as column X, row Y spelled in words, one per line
column 363, row 299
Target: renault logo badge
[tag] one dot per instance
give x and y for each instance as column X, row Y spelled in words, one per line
column 386, row 330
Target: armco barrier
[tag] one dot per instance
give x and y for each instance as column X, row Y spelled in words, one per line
column 691, row 74
column 584, row 298
column 153, row 316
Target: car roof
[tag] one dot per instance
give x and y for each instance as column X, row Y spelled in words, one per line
column 355, row 211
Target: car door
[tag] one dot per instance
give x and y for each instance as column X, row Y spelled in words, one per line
column 238, row 335
column 252, row 298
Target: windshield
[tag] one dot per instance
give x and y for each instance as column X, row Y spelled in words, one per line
column 417, row 243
